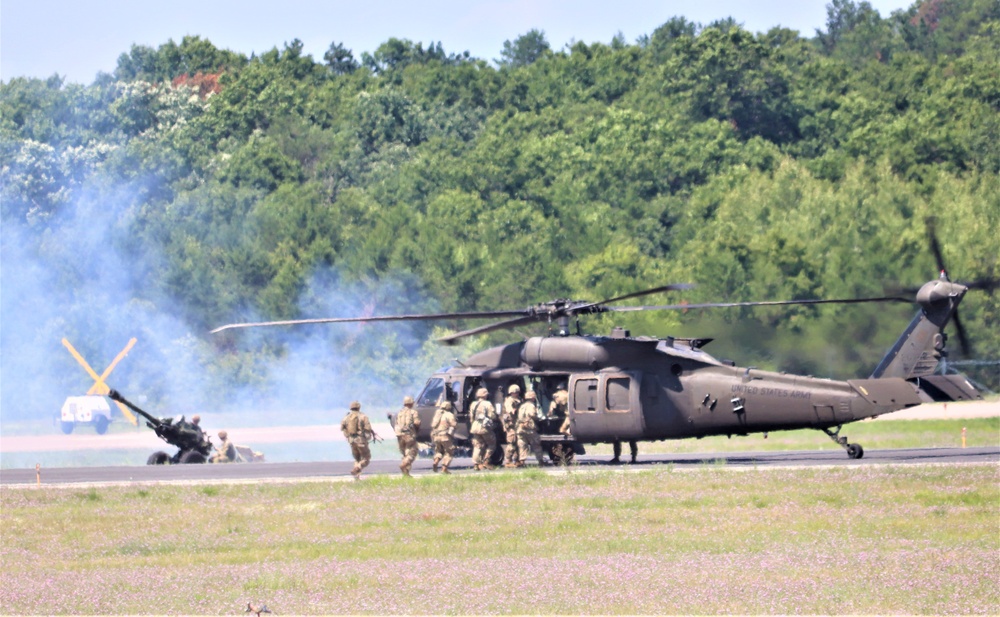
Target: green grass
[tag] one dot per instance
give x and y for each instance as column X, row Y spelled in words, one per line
column 885, row 539
column 873, row 435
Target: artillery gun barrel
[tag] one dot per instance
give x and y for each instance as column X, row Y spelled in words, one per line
column 152, row 421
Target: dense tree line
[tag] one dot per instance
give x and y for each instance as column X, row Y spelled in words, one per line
column 775, row 165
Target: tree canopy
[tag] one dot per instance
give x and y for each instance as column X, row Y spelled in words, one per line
column 195, row 186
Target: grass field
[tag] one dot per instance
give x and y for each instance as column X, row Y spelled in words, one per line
column 903, row 540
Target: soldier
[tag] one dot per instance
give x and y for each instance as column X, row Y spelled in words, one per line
column 226, row 450
column 357, row 431
column 407, row 423
column 442, row 430
column 484, row 439
column 562, row 453
column 617, row 448
column 565, row 429
column 509, row 420
column 528, row 441
column 202, row 436
column 560, row 401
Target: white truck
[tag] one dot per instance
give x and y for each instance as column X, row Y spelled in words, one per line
column 93, row 410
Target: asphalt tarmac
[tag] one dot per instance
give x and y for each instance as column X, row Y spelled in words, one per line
column 330, row 471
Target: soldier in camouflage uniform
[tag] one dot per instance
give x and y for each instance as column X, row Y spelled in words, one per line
column 407, row 423
column 560, row 401
column 226, row 451
column 528, row 441
column 442, row 432
column 484, row 422
column 357, row 431
column 509, row 420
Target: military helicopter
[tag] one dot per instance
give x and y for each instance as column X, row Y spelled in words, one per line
column 638, row 388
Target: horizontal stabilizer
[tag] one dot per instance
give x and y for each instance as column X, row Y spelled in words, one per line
column 945, row 388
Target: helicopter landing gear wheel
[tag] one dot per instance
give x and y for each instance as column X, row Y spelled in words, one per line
column 496, row 459
column 854, row 450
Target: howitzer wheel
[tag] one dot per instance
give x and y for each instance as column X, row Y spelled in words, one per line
column 192, row 457
column 158, row 458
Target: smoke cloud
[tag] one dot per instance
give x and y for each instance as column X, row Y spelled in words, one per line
column 75, row 273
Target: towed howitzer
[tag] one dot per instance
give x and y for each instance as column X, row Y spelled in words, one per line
column 193, row 445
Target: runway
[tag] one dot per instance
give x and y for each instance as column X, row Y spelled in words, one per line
column 332, row 471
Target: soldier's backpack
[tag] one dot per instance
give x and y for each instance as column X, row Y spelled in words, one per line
column 482, row 410
column 353, row 424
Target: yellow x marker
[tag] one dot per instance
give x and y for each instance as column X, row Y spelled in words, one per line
column 100, row 387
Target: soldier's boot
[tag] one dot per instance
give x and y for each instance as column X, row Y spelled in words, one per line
column 615, row 461
column 435, row 465
column 356, row 472
column 634, row 457
column 444, row 469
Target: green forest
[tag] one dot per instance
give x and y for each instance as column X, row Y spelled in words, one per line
column 195, row 187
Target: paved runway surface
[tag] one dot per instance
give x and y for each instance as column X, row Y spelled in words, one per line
column 263, row 472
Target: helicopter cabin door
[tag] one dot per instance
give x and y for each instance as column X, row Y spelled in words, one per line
column 605, row 407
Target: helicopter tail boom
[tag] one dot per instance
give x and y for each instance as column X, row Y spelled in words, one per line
column 916, row 353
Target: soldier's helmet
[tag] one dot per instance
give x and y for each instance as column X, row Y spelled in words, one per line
column 529, row 395
column 561, row 386
column 407, row 400
column 514, row 388
column 195, row 419
column 223, row 434
column 355, row 406
column 445, row 406
column 482, row 393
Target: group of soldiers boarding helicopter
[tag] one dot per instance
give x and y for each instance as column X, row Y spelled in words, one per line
column 518, row 418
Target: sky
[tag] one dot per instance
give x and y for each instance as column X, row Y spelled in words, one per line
column 77, row 39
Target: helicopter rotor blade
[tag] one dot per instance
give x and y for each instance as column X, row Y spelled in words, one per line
column 963, row 338
column 451, row 339
column 680, row 307
column 986, row 284
column 427, row 317
column 672, row 287
column 931, row 223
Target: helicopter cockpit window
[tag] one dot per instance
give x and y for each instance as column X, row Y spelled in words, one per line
column 617, row 392
column 432, row 392
column 585, row 396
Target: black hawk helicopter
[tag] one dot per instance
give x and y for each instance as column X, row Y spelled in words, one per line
column 637, row 388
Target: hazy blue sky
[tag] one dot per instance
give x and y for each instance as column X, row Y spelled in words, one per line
column 79, row 38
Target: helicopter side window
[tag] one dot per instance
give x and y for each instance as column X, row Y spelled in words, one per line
column 585, row 396
column 432, row 392
column 617, row 394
